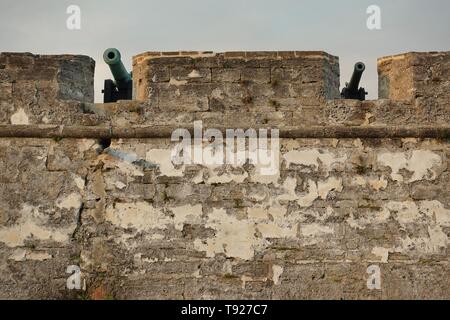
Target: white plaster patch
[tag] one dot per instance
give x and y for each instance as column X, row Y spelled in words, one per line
column 72, row 201
column 436, row 211
column 272, row 230
column 258, row 177
column 20, row 118
column 175, row 82
column 142, row 216
column 382, row 253
column 186, row 214
column 369, row 218
column 234, row 238
column 257, row 213
column 194, row 74
column 405, row 212
column 138, row 215
column 289, row 186
column 430, row 213
column 271, row 222
column 375, row 183
column 79, row 181
column 224, row 177
column 122, row 165
column 163, row 157
column 315, row 190
column 23, row 255
column 277, row 272
column 378, row 184
column 324, row 187
column 419, row 162
column 435, row 241
column 312, row 158
column 30, row 226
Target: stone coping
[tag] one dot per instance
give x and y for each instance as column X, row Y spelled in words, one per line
column 131, row 132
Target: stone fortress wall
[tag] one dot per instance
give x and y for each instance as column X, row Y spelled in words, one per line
column 93, row 185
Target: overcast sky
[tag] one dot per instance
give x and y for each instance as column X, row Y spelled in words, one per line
column 135, row 26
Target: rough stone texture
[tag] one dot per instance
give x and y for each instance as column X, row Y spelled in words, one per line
column 337, row 206
column 309, row 231
column 201, row 81
column 421, row 78
column 44, row 88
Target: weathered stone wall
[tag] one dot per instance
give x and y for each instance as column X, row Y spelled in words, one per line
column 421, row 78
column 44, row 88
column 200, row 81
column 356, row 186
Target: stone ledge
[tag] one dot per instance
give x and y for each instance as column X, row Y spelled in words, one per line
column 232, row 54
column 102, row 132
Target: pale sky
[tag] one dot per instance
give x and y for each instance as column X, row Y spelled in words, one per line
column 135, row 26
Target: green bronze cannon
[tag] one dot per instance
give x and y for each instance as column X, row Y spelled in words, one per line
column 351, row 90
column 121, row 88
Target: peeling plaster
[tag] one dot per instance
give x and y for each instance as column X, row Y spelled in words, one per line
column 23, row 255
column 163, row 158
column 30, row 226
column 224, row 177
column 79, row 181
column 376, row 184
column 419, row 162
column 234, row 238
column 315, row 190
column 194, row 74
column 20, row 118
column 277, row 271
column 381, row 253
column 187, row 215
column 313, row 158
column 175, row 82
column 72, row 201
column 138, row 215
column 407, row 213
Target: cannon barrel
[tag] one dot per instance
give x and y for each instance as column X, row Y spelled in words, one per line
column 121, row 76
column 352, row 90
column 122, row 86
column 353, row 85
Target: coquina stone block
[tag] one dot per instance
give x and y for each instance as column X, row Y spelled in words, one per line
column 418, row 77
column 199, row 81
column 33, row 88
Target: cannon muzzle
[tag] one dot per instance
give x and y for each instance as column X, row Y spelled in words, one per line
column 122, row 86
column 352, row 90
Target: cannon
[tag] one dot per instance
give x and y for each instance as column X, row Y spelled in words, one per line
column 352, row 90
column 121, row 88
